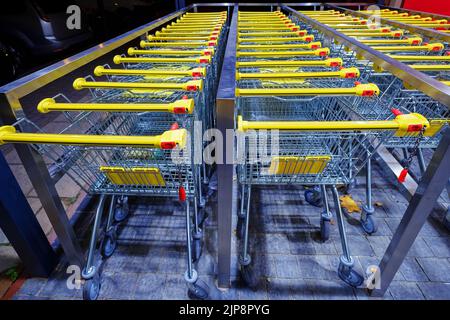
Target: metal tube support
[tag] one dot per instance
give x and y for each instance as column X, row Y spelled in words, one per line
column 422, row 203
column 247, row 221
column 225, row 105
column 341, row 226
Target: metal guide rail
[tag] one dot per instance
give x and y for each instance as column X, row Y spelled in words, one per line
column 120, row 141
column 309, row 107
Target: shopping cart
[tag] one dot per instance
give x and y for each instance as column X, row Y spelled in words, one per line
column 316, row 143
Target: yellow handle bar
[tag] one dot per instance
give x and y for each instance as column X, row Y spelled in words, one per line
column 204, row 52
column 188, row 38
column 192, row 85
column 411, row 41
column 175, row 44
column 428, row 47
column 322, row 52
column 288, row 33
column 182, row 106
column 404, row 125
column 367, row 90
column 343, row 73
column 202, row 59
column 377, row 30
column 185, row 34
column 332, row 62
column 293, row 28
column 194, row 72
column 307, row 38
column 430, row 67
column 178, row 28
column 393, row 34
column 420, row 58
column 168, row 140
column 310, row 45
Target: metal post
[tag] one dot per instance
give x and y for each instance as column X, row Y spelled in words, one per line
column 21, row 227
column 225, row 105
column 422, row 203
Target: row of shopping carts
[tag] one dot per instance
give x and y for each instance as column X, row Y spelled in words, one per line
column 430, row 58
column 134, row 133
column 308, row 115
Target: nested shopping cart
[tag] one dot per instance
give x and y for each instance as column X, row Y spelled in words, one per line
column 119, row 150
column 312, row 140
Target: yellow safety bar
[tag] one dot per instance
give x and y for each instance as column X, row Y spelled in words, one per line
column 288, row 32
column 193, row 30
column 309, row 45
column 192, row 85
column 366, row 90
column 420, row 58
column 168, row 140
column 343, row 73
column 194, row 72
column 194, row 33
column 307, row 38
column 199, row 44
column 430, row 67
column 411, row 41
column 332, row 62
column 204, row 52
column 203, row 59
column 182, row 106
column 427, row 47
column 355, row 23
column 177, row 28
column 404, row 125
column 377, row 30
column 293, row 28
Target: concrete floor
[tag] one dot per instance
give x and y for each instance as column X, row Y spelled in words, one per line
column 289, row 258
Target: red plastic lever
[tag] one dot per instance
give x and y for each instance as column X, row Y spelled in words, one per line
column 396, row 112
column 179, row 110
column 191, row 88
column 403, row 174
column 182, row 194
column 168, row 145
column 174, row 126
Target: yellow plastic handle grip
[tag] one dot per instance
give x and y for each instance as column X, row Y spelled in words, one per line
column 347, row 73
column 309, row 45
column 178, row 44
column 192, row 85
column 204, row 52
column 420, row 58
column 427, row 47
column 404, row 125
column 332, row 62
column 287, row 33
column 182, row 106
column 367, row 90
column 186, row 38
column 322, row 52
column 194, row 72
column 167, row 140
column 411, row 41
column 307, row 38
column 201, row 59
column 430, row 67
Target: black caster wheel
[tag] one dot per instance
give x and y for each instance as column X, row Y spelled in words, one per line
column 197, row 249
column 198, row 290
column 240, row 229
column 324, row 229
column 313, row 197
column 249, row 277
column 91, row 288
column 350, row 276
column 122, row 209
column 369, row 226
column 109, row 243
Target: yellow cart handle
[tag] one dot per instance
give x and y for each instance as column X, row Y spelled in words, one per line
column 346, row 73
column 430, row 67
column 309, row 45
column 182, row 106
column 192, row 85
column 392, row 34
column 194, row 72
column 187, row 38
column 376, row 30
column 404, row 125
column 175, row 44
column 412, row 41
column 185, row 33
column 204, row 52
column 262, row 28
column 428, row 47
column 363, row 90
column 420, row 58
column 307, row 38
column 168, row 140
column 178, row 28
column 203, row 59
column 270, row 25
column 288, row 32
column 322, row 52
column 331, row 62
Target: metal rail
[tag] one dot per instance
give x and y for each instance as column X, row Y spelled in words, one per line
column 430, row 33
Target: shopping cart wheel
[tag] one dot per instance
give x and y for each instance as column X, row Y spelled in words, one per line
column 313, row 196
column 348, row 274
column 122, row 209
column 369, row 225
column 198, row 290
column 249, row 276
column 109, row 243
column 324, row 229
column 91, row 288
